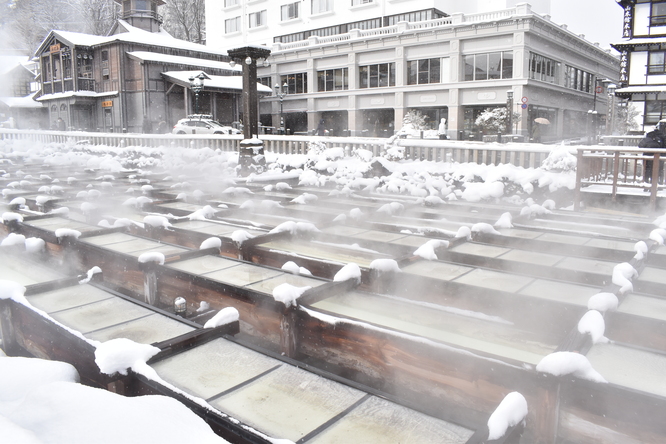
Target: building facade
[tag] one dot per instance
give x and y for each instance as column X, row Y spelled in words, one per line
column 18, row 87
column 452, row 66
column 136, row 79
column 643, row 57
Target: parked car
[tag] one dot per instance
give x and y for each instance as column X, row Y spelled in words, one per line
column 202, row 124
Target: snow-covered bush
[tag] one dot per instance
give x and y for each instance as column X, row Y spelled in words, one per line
column 494, row 120
column 560, row 159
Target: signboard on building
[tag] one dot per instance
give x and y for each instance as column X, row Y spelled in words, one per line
column 107, row 104
column 54, row 48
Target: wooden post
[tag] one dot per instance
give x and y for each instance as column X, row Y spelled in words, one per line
column 579, row 179
column 655, row 182
column 7, row 333
column 616, row 173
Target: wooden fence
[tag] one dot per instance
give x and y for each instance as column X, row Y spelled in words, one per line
column 617, row 167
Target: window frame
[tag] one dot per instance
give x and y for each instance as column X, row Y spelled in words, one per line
column 656, row 68
column 658, row 18
column 321, row 6
column 257, row 19
column 477, row 67
column 424, row 71
column 336, row 79
column 236, row 21
column 380, row 75
column 297, row 83
column 293, row 7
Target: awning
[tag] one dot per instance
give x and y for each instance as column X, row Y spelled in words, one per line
column 216, row 83
column 21, row 102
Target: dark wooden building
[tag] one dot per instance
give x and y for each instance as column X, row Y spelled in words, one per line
column 117, row 83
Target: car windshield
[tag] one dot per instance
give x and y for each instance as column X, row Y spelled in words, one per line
column 214, row 123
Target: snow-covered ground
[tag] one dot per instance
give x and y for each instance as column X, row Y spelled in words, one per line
column 41, row 401
column 359, row 171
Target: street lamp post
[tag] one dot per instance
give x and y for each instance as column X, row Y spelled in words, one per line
column 251, row 154
column 611, row 109
column 197, row 85
column 509, row 107
column 281, row 93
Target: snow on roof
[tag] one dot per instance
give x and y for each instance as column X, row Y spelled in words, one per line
column 63, row 95
column 133, row 35
column 21, row 102
column 642, row 89
column 147, row 56
column 216, row 82
column 642, row 41
column 8, row 63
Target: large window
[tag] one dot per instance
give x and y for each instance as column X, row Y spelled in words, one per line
column 228, row 3
column 377, row 76
column 319, row 6
column 657, row 62
column 578, row 79
column 289, row 12
column 296, row 83
column 232, row 25
column 423, row 71
column 542, row 68
column 658, row 14
column 488, row 66
column 257, row 19
column 333, row 79
column 655, row 110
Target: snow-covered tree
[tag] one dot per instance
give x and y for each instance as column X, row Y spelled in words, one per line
column 415, row 119
column 495, row 120
column 185, row 19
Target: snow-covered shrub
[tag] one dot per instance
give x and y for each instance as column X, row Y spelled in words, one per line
column 560, row 159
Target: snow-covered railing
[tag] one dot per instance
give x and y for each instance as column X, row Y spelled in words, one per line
column 619, row 167
column 403, row 27
column 621, row 140
column 525, row 155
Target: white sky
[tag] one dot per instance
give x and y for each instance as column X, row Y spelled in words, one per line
column 599, row 20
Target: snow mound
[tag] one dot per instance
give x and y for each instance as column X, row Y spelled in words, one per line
column 483, row 227
column 504, row 221
column 223, row 317
column 464, row 232
column 305, row 199
column 9, row 216
column 295, row 228
column 603, row 302
column 641, row 250
column 293, row 268
column 622, row 275
column 592, row 323
column 211, row 242
column 385, row 266
column 288, row 294
column 34, row 245
column 569, row 363
column 118, row 355
column 157, row 221
column 240, row 236
column 14, row 370
column 152, row 256
column 427, row 250
column 11, row 290
column 67, row 232
column 13, row 239
column 349, row 271
column 510, row 412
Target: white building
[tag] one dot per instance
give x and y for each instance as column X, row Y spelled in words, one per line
column 235, row 23
column 643, row 57
column 361, row 75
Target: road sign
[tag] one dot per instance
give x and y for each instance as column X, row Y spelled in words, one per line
column 524, row 106
column 524, row 99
